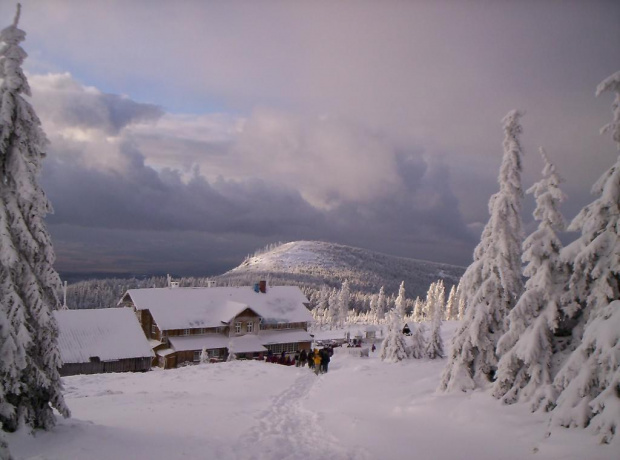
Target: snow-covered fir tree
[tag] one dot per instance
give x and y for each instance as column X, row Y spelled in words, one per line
column 492, row 283
column 29, row 285
column 461, row 302
column 435, row 302
column 394, row 347
column 418, row 308
column 381, row 304
column 417, row 350
column 588, row 384
column 332, row 308
column 321, row 310
column 526, row 349
column 452, row 305
column 401, row 301
column 344, row 298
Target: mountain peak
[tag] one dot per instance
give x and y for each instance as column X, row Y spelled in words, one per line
column 313, row 264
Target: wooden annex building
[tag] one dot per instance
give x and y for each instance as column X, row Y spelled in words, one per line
column 101, row 340
column 250, row 322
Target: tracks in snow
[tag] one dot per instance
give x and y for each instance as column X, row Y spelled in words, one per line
column 289, row 431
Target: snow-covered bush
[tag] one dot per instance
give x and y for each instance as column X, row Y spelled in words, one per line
column 394, row 347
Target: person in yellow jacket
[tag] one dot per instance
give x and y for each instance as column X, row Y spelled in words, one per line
column 317, row 361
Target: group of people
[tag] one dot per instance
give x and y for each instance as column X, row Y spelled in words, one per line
column 317, row 360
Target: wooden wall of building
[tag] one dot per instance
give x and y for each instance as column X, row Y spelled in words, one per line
column 121, row 365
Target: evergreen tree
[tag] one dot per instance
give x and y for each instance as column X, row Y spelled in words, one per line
column 435, row 301
column 381, row 304
column 418, row 308
column 373, row 308
column 588, row 384
column 322, row 306
column 461, row 302
column 452, row 305
column 332, row 309
column 29, row 285
column 344, row 298
column 418, row 341
column 492, row 283
column 401, row 302
column 393, row 347
column 526, row 349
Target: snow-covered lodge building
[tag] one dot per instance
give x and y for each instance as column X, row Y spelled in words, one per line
column 249, row 322
column 101, row 340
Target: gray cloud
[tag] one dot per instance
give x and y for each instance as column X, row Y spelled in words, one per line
column 370, row 123
column 68, row 103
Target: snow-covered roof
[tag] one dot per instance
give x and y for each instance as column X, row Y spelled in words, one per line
column 184, row 308
column 247, row 342
column 107, row 333
column 290, row 336
column 330, row 335
column 165, row 352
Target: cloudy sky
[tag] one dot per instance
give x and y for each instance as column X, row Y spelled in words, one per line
column 185, row 135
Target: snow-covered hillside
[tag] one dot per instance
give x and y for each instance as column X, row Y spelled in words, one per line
column 308, row 264
column 362, row 409
column 314, row 263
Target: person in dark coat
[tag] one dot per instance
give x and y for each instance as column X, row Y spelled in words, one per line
column 325, row 360
column 310, row 359
column 303, row 357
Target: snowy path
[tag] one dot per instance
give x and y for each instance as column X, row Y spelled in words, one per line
column 289, row 431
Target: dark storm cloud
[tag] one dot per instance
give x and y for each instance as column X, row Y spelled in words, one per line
column 141, row 198
column 143, row 201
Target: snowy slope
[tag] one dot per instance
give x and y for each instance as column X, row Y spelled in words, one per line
column 362, row 409
column 314, row 263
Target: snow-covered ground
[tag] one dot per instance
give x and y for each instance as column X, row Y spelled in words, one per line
column 362, row 409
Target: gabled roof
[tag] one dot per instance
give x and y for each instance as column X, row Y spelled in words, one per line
column 240, row 344
column 108, row 334
column 184, row 308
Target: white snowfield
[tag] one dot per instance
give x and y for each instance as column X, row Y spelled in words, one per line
column 362, row 409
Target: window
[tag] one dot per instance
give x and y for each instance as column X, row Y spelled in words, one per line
column 197, row 356
column 185, row 331
column 215, row 353
column 250, row 326
column 287, row 325
column 153, row 329
column 280, row 347
column 163, row 337
column 238, row 327
column 261, row 326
